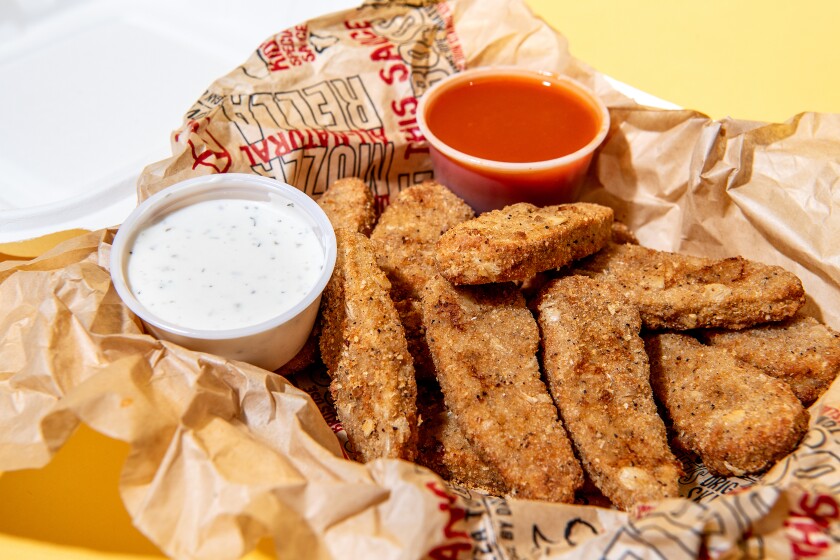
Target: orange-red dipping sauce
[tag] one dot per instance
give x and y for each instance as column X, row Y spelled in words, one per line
column 512, row 118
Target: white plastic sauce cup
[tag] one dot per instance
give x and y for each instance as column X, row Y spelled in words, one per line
column 268, row 344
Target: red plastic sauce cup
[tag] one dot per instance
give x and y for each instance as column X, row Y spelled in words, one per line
column 503, row 135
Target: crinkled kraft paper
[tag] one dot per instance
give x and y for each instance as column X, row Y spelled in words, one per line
column 225, row 454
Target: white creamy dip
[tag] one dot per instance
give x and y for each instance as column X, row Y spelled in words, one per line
column 225, row 263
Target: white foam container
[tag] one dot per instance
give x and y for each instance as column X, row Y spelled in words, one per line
column 92, row 90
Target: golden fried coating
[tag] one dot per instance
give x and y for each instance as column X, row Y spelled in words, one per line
column 681, row 292
column 411, row 315
column 404, row 240
column 407, row 231
column 444, row 449
column 348, row 203
column 520, row 240
column 484, row 342
column 307, row 356
column 801, row 351
column 736, row 418
column 620, row 234
column 364, row 348
column 598, row 374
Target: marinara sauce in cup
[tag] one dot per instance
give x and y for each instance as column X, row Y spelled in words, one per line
column 503, row 135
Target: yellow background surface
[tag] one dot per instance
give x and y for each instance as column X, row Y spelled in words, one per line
column 746, row 59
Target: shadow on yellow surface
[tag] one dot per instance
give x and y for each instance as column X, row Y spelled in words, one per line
column 73, row 503
column 74, row 499
column 31, row 248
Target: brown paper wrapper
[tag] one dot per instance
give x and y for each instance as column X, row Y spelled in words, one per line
column 224, row 454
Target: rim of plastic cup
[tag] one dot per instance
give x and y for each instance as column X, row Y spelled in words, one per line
column 510, row 167
column 216, row 187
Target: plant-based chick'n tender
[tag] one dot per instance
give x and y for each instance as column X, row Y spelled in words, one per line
column 444, row 449
column 484, row 343
column 411, row 315
column 598, row 374
column 520, row 240
column 407, row 231
column 364, row 348
column 801, row 351
column 623, row 234
column 307, row 356
column 736, row 418
column 348, row 203
column 681, row 292
column 404, row 240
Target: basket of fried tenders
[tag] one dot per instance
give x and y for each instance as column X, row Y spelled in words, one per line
column 534, row 352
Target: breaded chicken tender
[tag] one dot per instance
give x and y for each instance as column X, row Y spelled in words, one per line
column 682, row 292
column 364, row 348
column 520, row 240
column 404, row 240
column 598, row 374
column 407, row 231
column 348, row 203
column 411, row 315
column 484, row 342
column 623, row 234
column 801, row 351
column 444, row 449
column 736, row 418
column 306, row 357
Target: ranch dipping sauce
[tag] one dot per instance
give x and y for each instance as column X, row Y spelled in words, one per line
column 225, row 263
